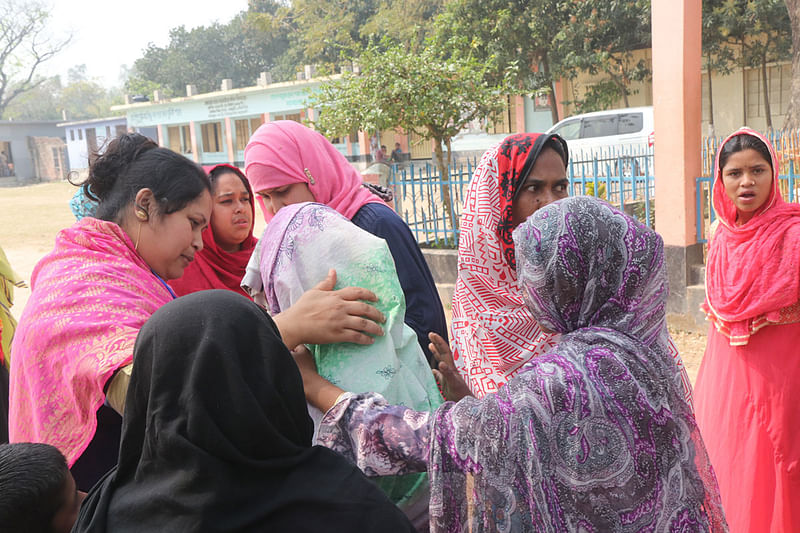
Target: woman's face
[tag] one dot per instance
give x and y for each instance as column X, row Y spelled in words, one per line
column 278, row 197
column 747, row 178
column 168, row 243
column 546, row 183
column 232, row 215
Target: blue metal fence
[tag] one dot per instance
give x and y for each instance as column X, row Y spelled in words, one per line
column 622, row 177
column 789, row 184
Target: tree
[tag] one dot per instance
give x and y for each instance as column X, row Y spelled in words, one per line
column 600, row 38
column 760, row 29
column 793, row 113
column 24, row 47
column 505, row 32
column 424, row 93
column 718, row 55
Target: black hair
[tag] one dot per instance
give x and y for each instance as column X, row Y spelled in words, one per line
column 32, row 478
column 741, row 142
column 132, row 162
column 220, row 170
column 559, row 145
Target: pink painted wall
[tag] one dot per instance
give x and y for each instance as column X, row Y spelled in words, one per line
column 676, row 99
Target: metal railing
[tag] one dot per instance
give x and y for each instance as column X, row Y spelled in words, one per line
column 622, row 177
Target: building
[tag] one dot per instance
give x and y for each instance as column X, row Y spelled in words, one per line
column 85, row 137
column 31, row 151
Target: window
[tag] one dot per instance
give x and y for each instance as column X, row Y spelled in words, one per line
column 601, row 126
column 91, row 139
column 186, row 139
column 630, row 123
column 71, row 135
column 501, row 122
column 569, row 130
column 108, row 132
column 174, row 138
column 80, row 134
column 288, row 116
column 58, row 162
column 212, row 137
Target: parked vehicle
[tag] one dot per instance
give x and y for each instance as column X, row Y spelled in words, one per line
column 614, row 136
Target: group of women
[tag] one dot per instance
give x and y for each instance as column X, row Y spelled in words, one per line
column 566, row 410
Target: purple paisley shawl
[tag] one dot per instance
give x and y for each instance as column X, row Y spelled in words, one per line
column 593, row 436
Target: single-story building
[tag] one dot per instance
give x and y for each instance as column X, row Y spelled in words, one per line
column 85, row 137
column 31, row 151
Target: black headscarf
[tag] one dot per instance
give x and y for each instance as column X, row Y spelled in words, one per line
column 216, row 435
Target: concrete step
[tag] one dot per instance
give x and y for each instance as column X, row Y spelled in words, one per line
column 697, row 275
column 446, row 293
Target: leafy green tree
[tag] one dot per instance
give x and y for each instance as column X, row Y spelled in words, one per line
column 506, row 32
column 600, row 38
column 39, row 103
column 25, row 44
column 421, row 92
column 761, row 31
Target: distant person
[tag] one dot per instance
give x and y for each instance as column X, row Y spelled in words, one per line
column 397, row 153
column 380, row 155
column 37, row 491
column 288, row 163
column 747, row 394
column 228, row 240
column 217, row 436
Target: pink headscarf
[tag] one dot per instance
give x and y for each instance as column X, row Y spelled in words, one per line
column 91, row 295
column 284, row 152
column 753, row 270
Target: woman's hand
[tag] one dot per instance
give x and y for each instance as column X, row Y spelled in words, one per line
column 453, row 386
column 320, row 392
column 325, row 316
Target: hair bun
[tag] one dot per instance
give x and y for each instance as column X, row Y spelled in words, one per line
column 109, row 164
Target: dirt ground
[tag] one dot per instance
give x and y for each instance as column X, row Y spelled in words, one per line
column 30, row 218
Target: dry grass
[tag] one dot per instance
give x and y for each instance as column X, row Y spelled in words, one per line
column 30, row 218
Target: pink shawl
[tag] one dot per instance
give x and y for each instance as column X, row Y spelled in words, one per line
column 91, row 295
column 753, row 270
column 285, row 152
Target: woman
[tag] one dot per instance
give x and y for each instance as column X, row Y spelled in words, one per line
column 299, row 244
column 594, row 435
column 104, row 278
column 228, row 240
column 494, row 334
column 189, row 462
column 8, row 280
column 747, row 392
column 288, row 163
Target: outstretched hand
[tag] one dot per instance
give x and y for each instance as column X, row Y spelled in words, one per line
column 320, row 392
column 452, row 384
column 325, row 316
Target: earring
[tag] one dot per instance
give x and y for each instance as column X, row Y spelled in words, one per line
column 141, row 213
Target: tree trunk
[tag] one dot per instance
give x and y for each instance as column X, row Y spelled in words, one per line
column 711, row 131
column 766, row 91
column 553, row 103
column 444, row 175
column 793, row 113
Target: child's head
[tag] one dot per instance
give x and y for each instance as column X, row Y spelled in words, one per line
column 37, row 491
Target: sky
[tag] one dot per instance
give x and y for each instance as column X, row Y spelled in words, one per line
column 107, row 35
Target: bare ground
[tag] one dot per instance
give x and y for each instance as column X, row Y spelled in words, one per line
column 30, row 218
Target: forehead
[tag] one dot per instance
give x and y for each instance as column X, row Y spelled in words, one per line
column 549, row 166
column 745, row 158
column 228, row 182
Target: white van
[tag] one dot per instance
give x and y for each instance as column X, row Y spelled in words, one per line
column 612, row 132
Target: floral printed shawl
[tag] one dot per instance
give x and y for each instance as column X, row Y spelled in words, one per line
column 301, row 243
column 596, row 434
column 91, row 295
